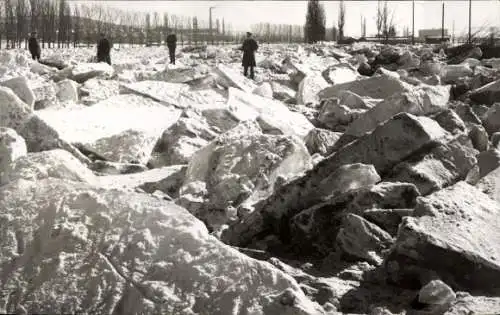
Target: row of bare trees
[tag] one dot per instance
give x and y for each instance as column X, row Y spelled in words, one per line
column 385, row 21
column 60, row 24
column 278, row 33
column 20, row 17
column 315, row 22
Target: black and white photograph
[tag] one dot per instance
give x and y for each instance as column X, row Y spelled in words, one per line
column 252, row 157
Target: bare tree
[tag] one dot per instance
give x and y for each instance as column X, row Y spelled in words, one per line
column 180, row 29
column 141, row 34
column 384, row 21
column 68, row 24
column 44, row 26
column 387, row 22
column 195, row 30
column 392, row 31
column 86, row 32
column 379, row 21
column 156, row 27
column 148, row 29
column 165, row 25
column 58, row 22
column 277, row 33
column 189, row 27
column 172, row 23
column 52, row 25
column 268, row 32
column 315, row 22
column 363, row 27
column 341, row 20
column 9, row 22
column 2, row 25
column 34, row 15
column 97, row 19
column 111, row 21
column 133, row 32
column 217, row 30
column 406, row 31
column 22, row 22
column 62, row 23
column 77, row 26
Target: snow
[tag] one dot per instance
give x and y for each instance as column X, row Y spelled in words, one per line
column 244, row 164
column 249, row 106
column 12, row 147
column 95, row 236
column 202, row 99
column 85, row 71
column 50, row 164
column 130, row 181
column 95, row 150
column 95, row 90
column 235, row 79
column 110, row 117
column 13, row 110
column 20, row 86
column 163, row 92
column 67, row 91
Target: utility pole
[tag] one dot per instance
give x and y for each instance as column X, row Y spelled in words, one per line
column 470, row 20
column 210, row 24
column 413, row 22
column 442, row 23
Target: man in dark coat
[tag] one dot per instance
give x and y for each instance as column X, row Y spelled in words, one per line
column 249, row 48
column 172, row 44
column 34, row 47
column 103, row 50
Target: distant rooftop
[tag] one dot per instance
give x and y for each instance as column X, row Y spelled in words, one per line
column 431, row 32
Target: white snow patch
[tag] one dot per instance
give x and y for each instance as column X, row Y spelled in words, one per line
column 129, row 181
column 163, row 92
column 246, row 106
column 110, row 117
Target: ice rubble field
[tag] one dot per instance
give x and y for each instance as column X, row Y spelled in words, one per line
column 344, row 180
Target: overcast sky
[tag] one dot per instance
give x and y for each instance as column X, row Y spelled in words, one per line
column 241, row 14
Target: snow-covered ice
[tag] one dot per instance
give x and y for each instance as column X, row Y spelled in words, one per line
column 119, row 184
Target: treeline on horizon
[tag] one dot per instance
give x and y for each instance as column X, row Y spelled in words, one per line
column 59, row 24
column 316, row 30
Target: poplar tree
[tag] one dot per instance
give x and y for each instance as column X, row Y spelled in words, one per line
column 315, row 29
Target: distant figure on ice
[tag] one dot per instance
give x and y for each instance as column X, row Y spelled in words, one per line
column 103, row 50
column 249, row 48
column 34, row 47
column 172, row 44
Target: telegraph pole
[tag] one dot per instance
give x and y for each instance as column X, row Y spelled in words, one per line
column 210, row 24
column 453, row 32
column 442, row 24
column 470, row 19
column 413, row 22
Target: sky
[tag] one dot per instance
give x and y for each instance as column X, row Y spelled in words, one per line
column 242, row 14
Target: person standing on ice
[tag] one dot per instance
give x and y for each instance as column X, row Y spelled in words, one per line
column 34, row 47
column 172, row 44
column 249, row 48
column 103, row 50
